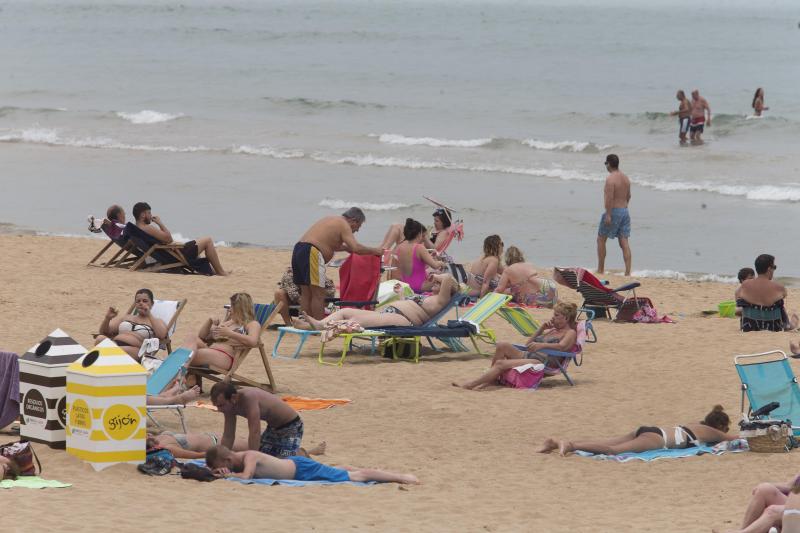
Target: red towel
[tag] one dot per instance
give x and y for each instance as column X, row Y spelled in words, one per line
column 359, row 276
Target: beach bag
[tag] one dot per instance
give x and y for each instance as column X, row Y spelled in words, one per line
column 523, row 377
column 767, row 436
column 197, row 472
column 22, row 453
column 631, row 306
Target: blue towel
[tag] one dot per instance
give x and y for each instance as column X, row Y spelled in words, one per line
column 652, row 455
column 288, row 482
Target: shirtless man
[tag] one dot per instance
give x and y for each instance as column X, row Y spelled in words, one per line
column 684, row 112
column 699, row 108
column 256, row 465
column 615, row 222
column 284, row 431
column 152, row 225
column 762, row 291
column 316, row 247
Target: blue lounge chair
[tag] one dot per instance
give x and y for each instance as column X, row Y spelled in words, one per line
column 767, row 377
column 163, row 376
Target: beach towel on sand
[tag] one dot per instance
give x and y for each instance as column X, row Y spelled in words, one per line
column 652, row 455
column 289, row 482
column 298, row 403
column 32, row 482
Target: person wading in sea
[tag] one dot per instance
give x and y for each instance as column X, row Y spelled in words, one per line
column 615, row 222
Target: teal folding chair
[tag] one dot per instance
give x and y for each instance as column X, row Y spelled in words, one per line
column 767, row 377
column 163, row 376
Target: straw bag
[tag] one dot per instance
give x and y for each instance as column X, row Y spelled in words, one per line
column 767, row 436
column 22, row 453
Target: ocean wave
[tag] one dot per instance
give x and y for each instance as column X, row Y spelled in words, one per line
column 316, row 104
column 8, row 110
column 566, row 146
column 767, row 193
column 335, row 203
column 681, row 276
column 268, row 152
column 394, row 138
column 148, row 116
column 52, row 138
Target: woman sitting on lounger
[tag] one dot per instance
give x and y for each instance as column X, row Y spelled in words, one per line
column 129, row 331
column 484, row 273
column 413, row 311
column 520, row 280
column 711, row 430
column 217, row 341
column 413, row 257
column 559, row 334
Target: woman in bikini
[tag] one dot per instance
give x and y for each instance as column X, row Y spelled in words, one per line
column 413, row 311
column 216, row 342
column 714, row 428
column 189, row 445
column 559, row 333
column 485, row 272
column 442, row 228
column 520, row 280
column 129, row 331
column 412, row 257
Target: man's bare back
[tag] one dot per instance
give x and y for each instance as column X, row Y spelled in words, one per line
column 273, row 410
column 617, row 190
column 328, row 235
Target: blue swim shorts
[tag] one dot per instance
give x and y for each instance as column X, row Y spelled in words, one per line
column 306, row 469
column 620, row 224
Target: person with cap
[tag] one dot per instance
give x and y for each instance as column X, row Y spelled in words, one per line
column 615, row 222
column 316, row 248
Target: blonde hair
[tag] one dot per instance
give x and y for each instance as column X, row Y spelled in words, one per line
column 568, row 311
column 242, row 308
column 514, row 255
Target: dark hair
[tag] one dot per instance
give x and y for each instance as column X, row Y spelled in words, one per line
column 114, row 212
column 225, row 388
column 148, row 292
column 492, row 245
column 755, row 97
column 745, row 273
column 445, row 216
column 355, row 214
column 412, row 229
column 717, row 419
column 763, row 262
column 139, row 208
column 13, row 469
column 613, row 161
column 681, row 93
column 215, row 453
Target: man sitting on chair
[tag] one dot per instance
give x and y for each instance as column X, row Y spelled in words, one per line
column 764, row 295
column 152, row 225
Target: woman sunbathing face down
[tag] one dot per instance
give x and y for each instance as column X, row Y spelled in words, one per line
column 413, row 311
column 130, row 331
column 714, row 428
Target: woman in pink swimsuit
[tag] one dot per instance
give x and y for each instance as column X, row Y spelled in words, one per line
column 413, row 257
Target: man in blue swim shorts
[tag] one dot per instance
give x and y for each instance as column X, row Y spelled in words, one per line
column 256, row 465
column 615, row 223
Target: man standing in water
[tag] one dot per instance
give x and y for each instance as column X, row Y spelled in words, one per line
column 315, row 249
column 699, row 108
column 684, row 112
column 615, row 221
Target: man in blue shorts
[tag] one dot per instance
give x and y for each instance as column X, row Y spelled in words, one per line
column 615, row 222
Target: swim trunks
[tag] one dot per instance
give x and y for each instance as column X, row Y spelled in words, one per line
column 620, row 224
column 698, row 124
column 683, row 124
column 306, row 469
column 284, row 441
column 308, row 265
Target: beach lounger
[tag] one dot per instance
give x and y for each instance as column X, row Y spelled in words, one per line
column 767, row 377
column 518, row 317
column 166, row 257
column 557, row 361
column 264, row 313
column 163, row 376
column 125, row 253
column 597, row 296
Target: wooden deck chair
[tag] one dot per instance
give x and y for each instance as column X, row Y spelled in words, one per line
column 158, row 257
column 165, row 374
column 125, row 253
column 264, row 313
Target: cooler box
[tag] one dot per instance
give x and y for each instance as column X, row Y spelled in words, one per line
column 106, row 407
column 42, row 388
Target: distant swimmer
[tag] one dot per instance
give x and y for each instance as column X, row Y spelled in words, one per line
column 699, row 108
column 684, row 113
column 758, row 102
column 615, row 222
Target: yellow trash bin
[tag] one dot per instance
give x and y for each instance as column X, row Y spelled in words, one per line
column 106, row 407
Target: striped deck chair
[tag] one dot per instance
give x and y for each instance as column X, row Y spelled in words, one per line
column 767, row 377
column 597, row 296
column 264, row 313
column 163, row 376
column 522, row 321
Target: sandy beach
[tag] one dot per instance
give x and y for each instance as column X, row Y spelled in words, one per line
column 473, row 451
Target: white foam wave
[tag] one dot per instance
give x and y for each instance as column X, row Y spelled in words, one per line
column 268, row 152
column 751, row 192
column 148, row 116
column 566, row 146
column 335, row 203
column 394, row 138
column 51, row 137
column 674, row 274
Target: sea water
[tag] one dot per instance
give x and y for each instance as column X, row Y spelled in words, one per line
column 247, row 120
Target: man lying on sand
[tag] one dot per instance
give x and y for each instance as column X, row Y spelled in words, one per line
column 714, row 428
column 315, row 249
column 284, row 431
column 257, row 465
column 413, row 311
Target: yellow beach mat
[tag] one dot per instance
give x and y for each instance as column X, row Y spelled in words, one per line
column 298, row 403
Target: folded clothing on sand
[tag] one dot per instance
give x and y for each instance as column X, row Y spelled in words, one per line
column 32, row 482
